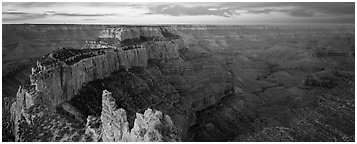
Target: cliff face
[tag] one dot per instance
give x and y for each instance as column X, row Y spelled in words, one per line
column 62, row 81
column 163, row 50
column 150, row 126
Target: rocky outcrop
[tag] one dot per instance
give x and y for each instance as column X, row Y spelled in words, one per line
column 150, row 126
column 96, row 45
column 93, row 129
column 124, row 33
column 25, row 99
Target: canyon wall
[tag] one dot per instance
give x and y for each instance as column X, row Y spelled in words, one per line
column 61, row 81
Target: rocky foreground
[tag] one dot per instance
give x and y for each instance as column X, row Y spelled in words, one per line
column 191, row 83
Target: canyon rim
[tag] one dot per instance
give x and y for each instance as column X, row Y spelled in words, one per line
column 209, row 72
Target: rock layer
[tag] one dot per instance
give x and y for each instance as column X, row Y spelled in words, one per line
column 124, row 33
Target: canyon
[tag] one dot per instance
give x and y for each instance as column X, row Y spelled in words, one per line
column 178, row 83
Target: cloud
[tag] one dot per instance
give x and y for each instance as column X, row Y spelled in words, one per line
column 81, row 14
column 179, row 10
column 13, row 15
column 301, row 9
column 89, row 19
column 236, row 9
column 261, row 11
column 33, row 4
column 79, row 4
column 20, row 16
column 52, row 13
column 301, row 13
column 330, row 8
column 318, row 9
column 13, row 12
column 116, row 4
column 249, row 11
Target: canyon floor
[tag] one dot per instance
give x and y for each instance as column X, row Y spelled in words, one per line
column 231, row 83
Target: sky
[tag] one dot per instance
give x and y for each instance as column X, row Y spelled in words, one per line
column 178, row 13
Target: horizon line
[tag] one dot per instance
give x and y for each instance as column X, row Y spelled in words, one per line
column 178, row 24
